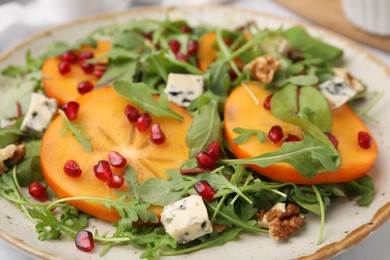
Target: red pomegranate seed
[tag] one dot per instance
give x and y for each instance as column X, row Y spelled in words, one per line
column 143, row 122
column 87, row 67
column 213, row 150
column 71, row 109
column 186, row 29
column 275, row 134
column 174, row 45
column 157, row 135
column 182, row 56
column 332, row 139
column 233, row 75
column 205, row 161
column 292, row 138
column 84, row 240
column 69, row 56
column 267, row 102
column 84, row 55
column 116, row 159
column 116, row 181
column 64, row 67
column 131, row 113
column 98, row 73
column 102, row 170
column 204, row 189
column 37, row 191
column 72, row 169
column 192, row 47
column 364, row 139
column 85, row 86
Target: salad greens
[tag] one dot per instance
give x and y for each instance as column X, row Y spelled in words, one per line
column 140, row 76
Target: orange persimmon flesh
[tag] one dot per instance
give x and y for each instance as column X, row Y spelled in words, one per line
column 64, row 87
column 102, row 117
column 242, row 111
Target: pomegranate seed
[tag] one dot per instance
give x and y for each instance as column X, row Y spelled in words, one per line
column 158, row 136
column 102, row 170
column 71, row 109
column 72, row 169
column 87, row 67
column 85, row 86
column 84, row 240
column 267, row 102
column 182, row 56
column 116, row 159
column 186, row 29
column 37, row 191
column 143, row 122
column 364, row 139
column 275, row 134
column 99, row 73
column 174, row 45
column 332, row 139
column 233, row 75
column 192, row 47
column 69, row 56
column 116, row 181
column 204, row 189
column 131, row 113
column 213, row 150
column 64, row 67
column 84, row 55
column 204, row 160
column 292, row 138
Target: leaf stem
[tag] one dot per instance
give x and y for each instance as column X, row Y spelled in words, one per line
column 322, row 213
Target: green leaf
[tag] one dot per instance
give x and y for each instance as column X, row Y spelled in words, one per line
column 76, row 131
column 9, row 135
column 141, row 96
column 299, row 39
column 309, row 157
column 303, row 80
column 218, row 78
column 307, row 103
column 363, row 187
column 205, row 128
column 244, row 135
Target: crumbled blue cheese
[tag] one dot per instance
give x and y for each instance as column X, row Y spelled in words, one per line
column 182, row 89
column 341, row 88
column 186, row 219
column 39, row 114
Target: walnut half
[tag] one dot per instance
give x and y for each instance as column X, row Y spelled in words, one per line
column 263, row 68
column 11, row 153
column 281, row 220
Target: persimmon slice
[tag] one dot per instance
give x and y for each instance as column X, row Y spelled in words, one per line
column 101, row 114
column 64, row 87
column 242, row 111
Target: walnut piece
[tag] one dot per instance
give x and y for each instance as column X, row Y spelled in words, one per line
column 281, row 220
column 263, row 68
column 12, row 153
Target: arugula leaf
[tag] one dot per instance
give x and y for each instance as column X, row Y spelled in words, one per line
column 303, row 80
column 205, row 128
column 299, row 38
column 218, row 79
column 290, row 102
column 244, row 135
column 140, row 95
column 76, row 131
column 309, row 157
column 11, row 134
column 363, row 187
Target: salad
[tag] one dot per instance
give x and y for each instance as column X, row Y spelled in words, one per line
column 183, row 136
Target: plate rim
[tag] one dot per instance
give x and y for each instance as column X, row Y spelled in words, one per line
column 330, row 250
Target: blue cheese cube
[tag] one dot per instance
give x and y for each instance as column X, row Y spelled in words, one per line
column 186, row 219
column 182, row 89
column 337, row 91
column 39, row 114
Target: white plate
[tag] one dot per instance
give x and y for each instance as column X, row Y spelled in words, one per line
column 346, row 223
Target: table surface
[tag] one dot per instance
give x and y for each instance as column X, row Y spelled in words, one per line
column 374, row 247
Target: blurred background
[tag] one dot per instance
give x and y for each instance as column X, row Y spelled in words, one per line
column 364, row 21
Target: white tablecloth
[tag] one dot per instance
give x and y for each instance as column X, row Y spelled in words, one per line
column 375, row 247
